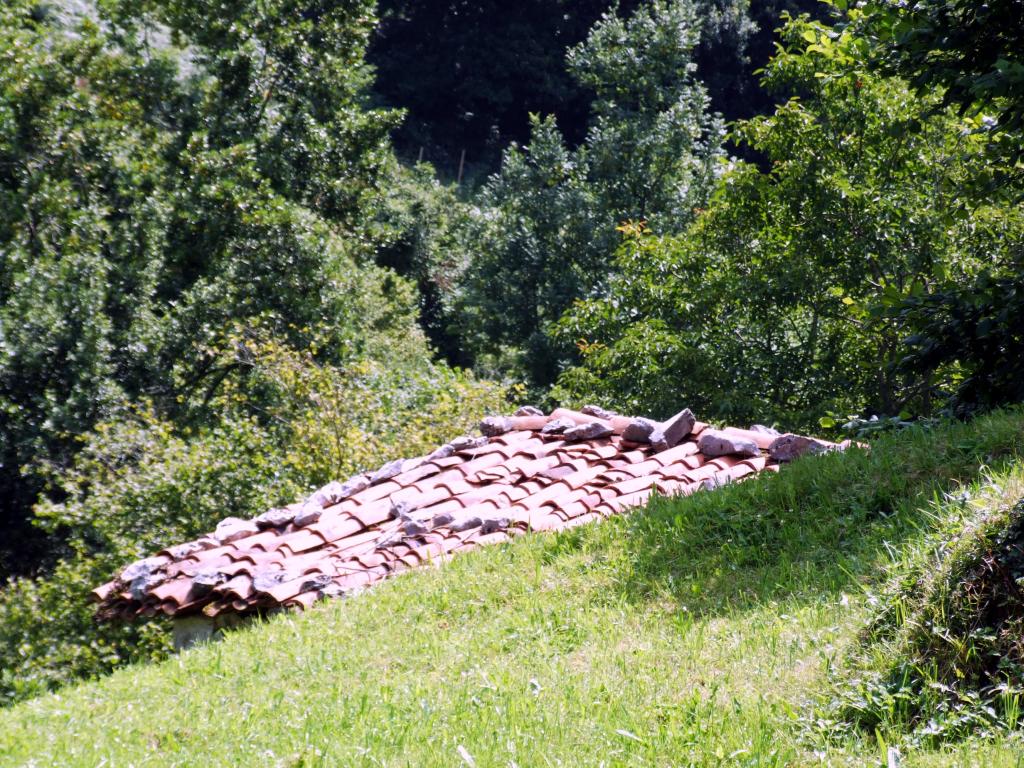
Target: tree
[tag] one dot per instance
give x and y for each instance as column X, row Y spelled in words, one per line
column 470, row 73
column 965, row 335
column 652, row 142
column 770, row 304
column 973, row 51
column 537, row 240
column 150, row 198
column 544, row 230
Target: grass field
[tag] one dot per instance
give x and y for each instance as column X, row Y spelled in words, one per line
column 696, row 632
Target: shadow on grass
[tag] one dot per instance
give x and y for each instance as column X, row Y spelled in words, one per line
column 820, row 526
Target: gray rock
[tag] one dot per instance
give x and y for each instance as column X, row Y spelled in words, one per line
column 354, row 485
column 204, row 582
column 762, row 429
column 788, row 447
column 142, row 583
column 529, row 410
column 264, row 581
column 557, row 426
column 678, row 427
column 492, row 426
column 639, row 430
column 400, row 509
column 274, row 518
column 389, row 470
column 414, row 528
column 233, row 528
column 410, row 464
column 181, row 551
column 465, row 523
column 335, row 492
column 592, row 430
column 713, row 444
column 308, row 514
column 443, row 452
column 329, row 494
column 598, row 411
column 442, row 518
column 209, row 578
column 141, row 568
column 468, row 443
column 493, row 524
column 228, row 522
column 316, row 581
column 658, row 441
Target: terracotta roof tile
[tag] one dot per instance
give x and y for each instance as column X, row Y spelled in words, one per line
column 603, row 450
column 545, row 520
column 373, row 514
column 632, row 456
column 757, row 463
column 633, row 485
column 448, row 461
column 176, row 590
column 740, row 471
column 336, row 527
column 672, row 487
column 673, row 455
column 302, row 540
column 678, row 470
column 702, row 472
column 305, row 600
column 389, row 487
column 558, row 472
column 473, row 492
column 240, row 587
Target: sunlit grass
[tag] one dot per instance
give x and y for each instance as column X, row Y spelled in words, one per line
column 694, row 633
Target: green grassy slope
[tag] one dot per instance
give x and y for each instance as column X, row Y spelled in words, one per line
column 692, row 633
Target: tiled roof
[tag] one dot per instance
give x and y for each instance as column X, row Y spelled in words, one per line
column 529, row 472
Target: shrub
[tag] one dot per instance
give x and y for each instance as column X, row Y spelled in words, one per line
column 281, row 424
column 149, row 199
column 543, row 234
column 771, row 304
column 135, row 487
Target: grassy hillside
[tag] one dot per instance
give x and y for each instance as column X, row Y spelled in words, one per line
column 696, row 632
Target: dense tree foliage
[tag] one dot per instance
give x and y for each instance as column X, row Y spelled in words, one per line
column 968, row 335
column 470, row 74
column 776, row 302
column 281, row 424
column 544, row 227
column 149, row 198
column 973, row 51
